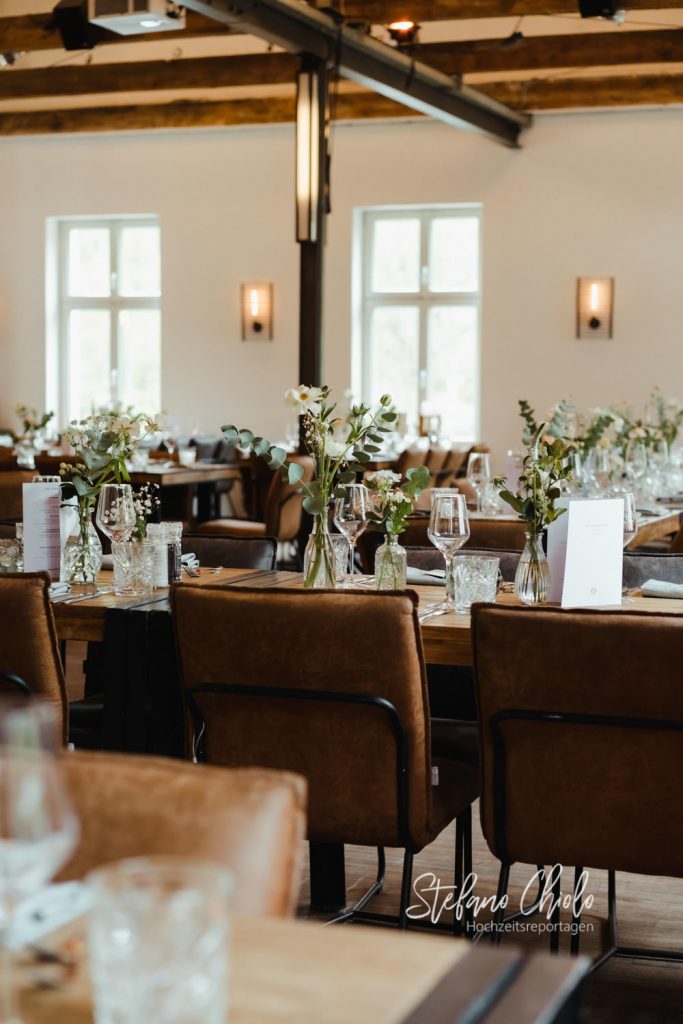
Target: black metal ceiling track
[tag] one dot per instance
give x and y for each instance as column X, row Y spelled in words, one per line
column 302, row 29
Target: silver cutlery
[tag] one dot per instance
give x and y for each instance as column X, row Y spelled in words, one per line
column 191, row 570
column 87, row 597
column 439, row 609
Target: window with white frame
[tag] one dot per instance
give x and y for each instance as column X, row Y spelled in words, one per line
column 109, row 295
column 420, row 310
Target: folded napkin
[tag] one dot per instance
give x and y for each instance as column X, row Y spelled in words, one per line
column 45, row 911
column 433, row 578
column 190, row 560
column 59, row 589
column 661, row 588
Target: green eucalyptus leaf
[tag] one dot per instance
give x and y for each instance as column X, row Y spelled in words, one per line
column 294, row 472
column 277, row 457
column 260, row 446
column 245, row 438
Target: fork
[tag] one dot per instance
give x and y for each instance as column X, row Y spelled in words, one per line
column 191, row 570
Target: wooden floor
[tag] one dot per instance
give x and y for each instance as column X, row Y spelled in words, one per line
column 650, row 913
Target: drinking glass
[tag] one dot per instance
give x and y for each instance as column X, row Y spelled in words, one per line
column 116, row 511
column 38, row 828
column 602, row 468
column 158, row 941
column 448, row 530
column 478, row 473
column 630, row 518
column 475, row 578
column 350, row 517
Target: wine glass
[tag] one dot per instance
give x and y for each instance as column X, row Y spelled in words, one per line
column 116, row 511
column 350, row 517
column 602, row 468
column 478, row 473
column 448, row 530
column 38, row 828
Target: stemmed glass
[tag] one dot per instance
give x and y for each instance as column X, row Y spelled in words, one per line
column 38, row 828
column 116, row 511
column 350, row 517
column 448, row 530
column 478, row 473
column 630, row 517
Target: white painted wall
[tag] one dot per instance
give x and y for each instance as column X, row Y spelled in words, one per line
column 588, row 194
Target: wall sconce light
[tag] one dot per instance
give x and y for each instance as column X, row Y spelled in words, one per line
column 594, row 307
column 308, row 182
column 257, row 312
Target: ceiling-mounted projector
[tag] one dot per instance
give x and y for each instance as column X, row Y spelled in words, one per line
column 133, row 17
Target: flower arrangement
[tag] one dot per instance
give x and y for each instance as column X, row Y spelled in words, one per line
column 546, row 465
column 590, row 432
column 32, row 423
column 669, row 416
column 392, row 501
column 102, row 444
column 146, row 502
column 558, row 423
column 340, row 447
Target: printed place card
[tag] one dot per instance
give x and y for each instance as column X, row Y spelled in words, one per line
column 594, row 553
column 42, row 546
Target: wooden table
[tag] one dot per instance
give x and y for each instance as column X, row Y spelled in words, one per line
column 180, row 484
column 293, row 972
column 446, row 638
column 659, row 527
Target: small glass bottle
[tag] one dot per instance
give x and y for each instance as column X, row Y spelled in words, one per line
column 173, row 533
column 157, row 534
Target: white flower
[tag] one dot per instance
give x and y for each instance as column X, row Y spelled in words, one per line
column 304, row 399
column 384, row 474
column 335, row 448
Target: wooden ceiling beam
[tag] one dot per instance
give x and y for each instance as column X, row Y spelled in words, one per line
column 31, row 32
column 150, row 76
column 533, row 95
column 575, row 93
column 383, row 12
column 569, row 51
column 280, row 68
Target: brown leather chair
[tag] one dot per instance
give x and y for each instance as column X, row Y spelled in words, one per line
column 249, row 820
column 331, row 686
column 282, row 512
column 29, row 648
column 11, row 494
column 232, row 552
column 581, row 720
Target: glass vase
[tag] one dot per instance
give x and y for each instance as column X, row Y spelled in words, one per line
column 391, row 566
column 319, row 559
column 82, row 556
column 133, row 567
column 26, row 451
column 532, row 579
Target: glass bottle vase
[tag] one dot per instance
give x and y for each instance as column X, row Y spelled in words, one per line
column 532, row 579
column 391, row 565
column 82, row 556
column 319, row 557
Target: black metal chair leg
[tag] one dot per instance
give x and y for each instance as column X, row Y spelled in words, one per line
column 555, row 933
column 503, row 881
column 576, row 918
column 406, row 882
column 458, row 877
column 375, row 888
column 467, row 843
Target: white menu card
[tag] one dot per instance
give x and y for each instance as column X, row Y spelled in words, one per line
column 42, row 547
column 594, row 553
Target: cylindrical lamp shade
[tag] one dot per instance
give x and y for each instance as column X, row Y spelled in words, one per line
column 257, row 312
column 594, row 307
column 307, row 155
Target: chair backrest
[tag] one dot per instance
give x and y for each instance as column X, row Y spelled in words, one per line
column 581, row 724
column 264, row 689
column 11, row 495
column 409, row 459
column 232, row 552
column 284, row 502
column 28, row 638
column 429, row 559
column 249, row 820
column 641, row 567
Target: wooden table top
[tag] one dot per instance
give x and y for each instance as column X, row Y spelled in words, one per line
column 446, row 638
column 183, row 476
column 295, row 972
